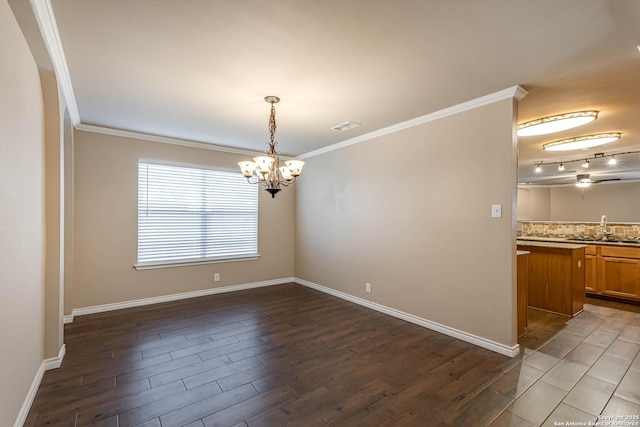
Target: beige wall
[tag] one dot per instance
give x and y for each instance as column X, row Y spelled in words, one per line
column 54, row 194
column 534, row 204
column 105, row 226
column 68, row 210
column 619, row 201
column 410, row 212
column 21, row 218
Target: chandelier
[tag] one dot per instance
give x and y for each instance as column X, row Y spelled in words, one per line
column 266, row 170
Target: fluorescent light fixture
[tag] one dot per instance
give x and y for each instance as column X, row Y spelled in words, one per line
column 557, row 123
column 581, row 142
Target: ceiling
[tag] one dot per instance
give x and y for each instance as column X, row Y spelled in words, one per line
column 199, row 69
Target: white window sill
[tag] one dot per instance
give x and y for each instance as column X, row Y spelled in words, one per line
column 184, row 263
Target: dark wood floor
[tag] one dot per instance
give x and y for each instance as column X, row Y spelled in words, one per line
column 281, row 355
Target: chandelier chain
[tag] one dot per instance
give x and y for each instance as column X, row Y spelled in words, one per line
column 272, row 129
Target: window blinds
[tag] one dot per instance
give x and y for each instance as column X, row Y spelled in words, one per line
column 191, row 215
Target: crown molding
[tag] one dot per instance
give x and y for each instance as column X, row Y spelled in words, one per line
column 43, row 12
column 164, row 139
column 515, row 92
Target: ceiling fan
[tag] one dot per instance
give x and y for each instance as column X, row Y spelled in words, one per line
column 584, row 180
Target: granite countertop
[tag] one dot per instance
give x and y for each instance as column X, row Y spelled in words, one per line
column 530, row 239
column 551, row 244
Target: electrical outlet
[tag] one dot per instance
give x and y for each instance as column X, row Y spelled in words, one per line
column 367, row 288
column 216, row 277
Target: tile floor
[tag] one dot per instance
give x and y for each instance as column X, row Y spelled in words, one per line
column 589, row 372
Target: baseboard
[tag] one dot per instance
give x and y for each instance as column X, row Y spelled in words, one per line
column 31, row 395
column 55, row 362
column 46, row 365
column 452, row 332
column 173, row 297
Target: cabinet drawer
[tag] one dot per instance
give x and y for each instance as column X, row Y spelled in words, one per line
column 590, row 250
column 620, row 252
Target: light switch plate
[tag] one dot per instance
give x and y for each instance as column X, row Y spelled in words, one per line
column 496, row 211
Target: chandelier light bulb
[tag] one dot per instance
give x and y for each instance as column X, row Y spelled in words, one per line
column 585, row 164
column 612, row 161
column 538, row 169
column 561, row 167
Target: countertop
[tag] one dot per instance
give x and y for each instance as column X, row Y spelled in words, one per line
column 531, row 239
column 522, row 253
column 551, row 244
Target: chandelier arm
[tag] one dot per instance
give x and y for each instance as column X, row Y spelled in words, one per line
column 286, row 183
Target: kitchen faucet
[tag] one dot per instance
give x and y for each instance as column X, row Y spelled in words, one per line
column 603, row 224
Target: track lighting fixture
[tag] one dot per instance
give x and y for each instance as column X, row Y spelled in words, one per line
column 613, row 160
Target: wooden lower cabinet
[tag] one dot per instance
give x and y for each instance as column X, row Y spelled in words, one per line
column 619, row 272
column 590, row 273
column 556, row 279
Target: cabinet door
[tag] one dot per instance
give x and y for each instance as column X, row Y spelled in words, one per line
column 619, row 276
column 590, row 276
column 538, row 286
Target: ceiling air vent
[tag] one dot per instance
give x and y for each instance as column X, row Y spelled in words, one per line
column 345, row 126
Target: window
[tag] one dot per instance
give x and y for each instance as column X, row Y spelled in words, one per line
column 191, row 215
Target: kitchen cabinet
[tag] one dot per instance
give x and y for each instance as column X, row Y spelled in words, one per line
column 618, row 272
column 556, row 279
column 611, row 269
column 590, row 269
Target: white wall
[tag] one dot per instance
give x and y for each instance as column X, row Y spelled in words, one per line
column 21, row 218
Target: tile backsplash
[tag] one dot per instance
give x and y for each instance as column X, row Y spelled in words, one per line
column 620, row 231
